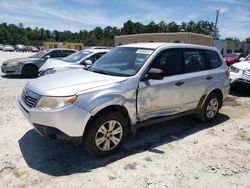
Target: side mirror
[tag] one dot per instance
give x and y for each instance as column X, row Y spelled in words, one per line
column 242, row 59
column 155, row 74
column 47, row 56
column 88, row 62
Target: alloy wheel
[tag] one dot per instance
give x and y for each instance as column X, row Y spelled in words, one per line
column 109, row 135
column 212, row 108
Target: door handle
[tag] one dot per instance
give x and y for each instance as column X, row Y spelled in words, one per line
column 179, row 83
column 209, row 78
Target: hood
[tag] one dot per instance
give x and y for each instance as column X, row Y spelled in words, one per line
column 229, row 58
column 50, row 63
column 70, row 82
column 24, row 59
column 244, row 65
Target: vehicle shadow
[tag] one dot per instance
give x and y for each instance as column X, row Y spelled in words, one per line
column 60, row 159
column 240, row 92
column 13, row 77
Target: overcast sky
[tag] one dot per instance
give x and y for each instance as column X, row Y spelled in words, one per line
column 75, row 15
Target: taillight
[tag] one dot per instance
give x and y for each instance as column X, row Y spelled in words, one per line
column 227, row 73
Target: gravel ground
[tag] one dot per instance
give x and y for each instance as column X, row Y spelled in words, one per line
column 177, row 153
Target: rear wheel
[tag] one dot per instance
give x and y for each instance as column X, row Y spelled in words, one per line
column 30, row 71
column 106, row 134
column 210, row 107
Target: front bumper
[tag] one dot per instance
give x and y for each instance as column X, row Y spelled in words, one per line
column 239, row 79
column 241, row 82
column 11, row 70
column 67, row 123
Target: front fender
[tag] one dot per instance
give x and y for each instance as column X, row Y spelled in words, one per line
column 95, row 102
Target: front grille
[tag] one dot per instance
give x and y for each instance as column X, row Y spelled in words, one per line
column 247, row 74
column 29, row 98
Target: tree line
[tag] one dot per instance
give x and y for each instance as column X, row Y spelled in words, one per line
column 14, row 34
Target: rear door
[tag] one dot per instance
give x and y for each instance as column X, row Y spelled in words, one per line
column 196, row 77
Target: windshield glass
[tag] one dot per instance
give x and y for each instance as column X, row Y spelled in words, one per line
column 75, row 57
column 39, row 54
column 231, row 55
column 122, row 61
column 247, row 58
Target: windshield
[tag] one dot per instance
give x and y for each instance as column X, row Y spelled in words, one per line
column 75, row 57
column 122, row 61
column 39, row 54
column 231, row 55
column 247, row 58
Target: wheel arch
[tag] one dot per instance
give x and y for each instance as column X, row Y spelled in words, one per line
column 117, row 108
column 29, row 64
column 204, row 97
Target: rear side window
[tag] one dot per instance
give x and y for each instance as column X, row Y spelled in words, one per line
column 194, row 61
column 214, row 59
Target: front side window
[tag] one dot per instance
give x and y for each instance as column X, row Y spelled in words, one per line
column 169, row 62
column 194, row 60
column 39, row 54
column 77, row 56
column 122, row 61
column 214, row 59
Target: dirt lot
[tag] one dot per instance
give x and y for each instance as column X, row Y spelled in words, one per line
column 177, row 153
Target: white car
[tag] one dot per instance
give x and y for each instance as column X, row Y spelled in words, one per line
column 240, row 73
column 81, row 59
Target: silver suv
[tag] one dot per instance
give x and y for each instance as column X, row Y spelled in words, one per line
column 131, row 86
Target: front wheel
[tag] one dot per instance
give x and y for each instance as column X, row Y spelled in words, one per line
column 30, row 71
column 106, row 134
column 210, row 108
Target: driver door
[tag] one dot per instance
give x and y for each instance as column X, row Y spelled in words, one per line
column 162, row 97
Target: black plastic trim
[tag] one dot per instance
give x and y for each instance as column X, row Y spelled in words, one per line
column 56, row 134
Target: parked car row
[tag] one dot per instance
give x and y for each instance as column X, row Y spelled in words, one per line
column 19, row 48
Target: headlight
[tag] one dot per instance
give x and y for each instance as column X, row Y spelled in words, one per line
column 234, row 69
column 50, row 103
column 49, row 71
column 12, row 64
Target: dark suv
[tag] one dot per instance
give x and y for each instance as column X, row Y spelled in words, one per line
column 28, row 67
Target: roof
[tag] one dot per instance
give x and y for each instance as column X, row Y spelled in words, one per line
column 155, row 45
column 164, row 34
column 49, row 49
column 96, row 50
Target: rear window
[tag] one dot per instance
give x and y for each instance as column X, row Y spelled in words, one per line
column 214, row 59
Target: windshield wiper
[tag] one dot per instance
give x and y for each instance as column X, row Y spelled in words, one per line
column 100, row 71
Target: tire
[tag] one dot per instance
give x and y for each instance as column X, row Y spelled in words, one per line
column 30, row 71
column 210, row 108
column 98, row 131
